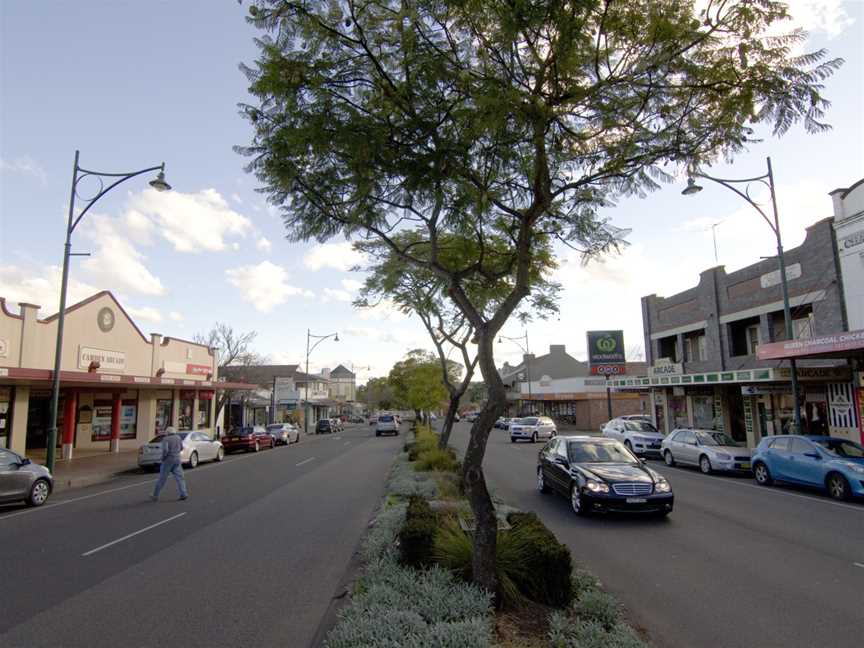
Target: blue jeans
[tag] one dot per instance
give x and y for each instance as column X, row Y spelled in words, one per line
column 175, row 468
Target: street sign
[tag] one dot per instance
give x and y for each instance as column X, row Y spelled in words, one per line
column 606, row 353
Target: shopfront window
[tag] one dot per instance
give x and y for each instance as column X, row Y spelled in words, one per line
column 678, row 411
column 703, row 413
column 187, row 407
column 205, row 399
column 5, row 416
column 101, row 427
column 129, row 418
column 164, row 411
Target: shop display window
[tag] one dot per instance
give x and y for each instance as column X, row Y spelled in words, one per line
column 129, row 418
column 164, row 411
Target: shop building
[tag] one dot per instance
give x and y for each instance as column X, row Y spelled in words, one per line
column 560, row 386
column 702, row 344
column 117, row 387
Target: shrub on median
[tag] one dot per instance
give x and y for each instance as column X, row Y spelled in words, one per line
column 549, row 564
column 438, row 459
column 418, row 533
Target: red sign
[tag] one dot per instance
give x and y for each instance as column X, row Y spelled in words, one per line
column 205, row 394
column 836, row 343
column 609, row 370
column 198, row 370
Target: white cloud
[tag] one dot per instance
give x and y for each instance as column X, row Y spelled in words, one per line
column 335, row 295
column 235, row 246
column 147, row 313
column 175, row 316
column 265, row 285
column 41, row 286
column 24, row 166
column 339, row 256
column 351, row 285
column 385, row 310
column 139, row 227
column 191, row 222
column 115, row 261
column 264, row 244
column 826, row 16
column 236, row 198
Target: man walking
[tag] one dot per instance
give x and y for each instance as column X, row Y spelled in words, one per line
column 172, row 446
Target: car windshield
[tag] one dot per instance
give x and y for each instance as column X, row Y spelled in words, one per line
column 528, row 421
column 639, row 426
column 841, row 448
column 721, row 438
column 158, row 438
column 385, row 419
column 274, row 428
column 599, row 452
column 246, row 431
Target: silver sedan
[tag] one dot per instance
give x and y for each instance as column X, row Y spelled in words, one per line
column 197, row 447
column 708, row 449
column 23, row 481
column 284, row 433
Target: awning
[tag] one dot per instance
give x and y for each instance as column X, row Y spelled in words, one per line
column 92, row 379
column 823, row 346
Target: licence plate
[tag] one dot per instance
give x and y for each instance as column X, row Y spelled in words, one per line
column 636, row 500
column 745, row 466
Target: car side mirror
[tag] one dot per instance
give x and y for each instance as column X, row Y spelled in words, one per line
column 561, row 461
column 813, row 455
column 643, row 460
column 25, row 462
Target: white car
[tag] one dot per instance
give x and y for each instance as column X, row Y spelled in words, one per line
column 387, row 424
column 640, row 437
column 284, row 433
column 197, row 447
column 708, row 449
column 532, row 428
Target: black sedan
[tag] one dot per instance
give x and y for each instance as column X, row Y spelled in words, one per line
column 600, row 475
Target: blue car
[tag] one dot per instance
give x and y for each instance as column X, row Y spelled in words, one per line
column 835, row 465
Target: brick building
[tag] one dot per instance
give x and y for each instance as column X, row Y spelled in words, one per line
column 701, row 345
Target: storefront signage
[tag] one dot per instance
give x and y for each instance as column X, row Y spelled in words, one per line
column 665, row 368
column 853, row 240
column 109, row 378
column 108, row 360
column 187, row 368
column 606, row 352
column 4, row 347
column 837, row 343
column 762, row 390
column 770, row 279
column 814, row 373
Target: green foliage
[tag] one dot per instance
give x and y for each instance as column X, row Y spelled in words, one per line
column 376, row 394
column 404, row 481
column 549, row 566
column 564, row 632
column 417, row 381
column 418, row 533
column 443, row 459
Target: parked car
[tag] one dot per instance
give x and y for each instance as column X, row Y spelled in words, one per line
column 835, row 465
column 601, row 475
column 387, row 424
column 373, row 419
column 504, row 423
column 197, row 447
column 532, row 428
column 640, row 437
column 251, row 437
column 470, row 417
column 708, row 449
column 284, row 433
column 324, row 426
column 23, row 481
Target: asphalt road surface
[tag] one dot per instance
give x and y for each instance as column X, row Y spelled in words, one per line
column 253, row 557
column 735, row 565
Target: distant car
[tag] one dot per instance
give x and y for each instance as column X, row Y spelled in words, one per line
column 532, row 428
column 23, row 481
column 470, row 417
column 835, row 465
column 284, row 433
column 640, row 437
column 387, row 424
column 197, row 447
column 336, row 424
column 251, row 437
column 600, row 475
column 324, row 426
column 708, row 449
column 373, row 419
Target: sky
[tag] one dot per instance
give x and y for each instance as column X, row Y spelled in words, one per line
column 132, row 84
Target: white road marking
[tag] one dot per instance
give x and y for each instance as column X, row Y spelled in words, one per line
column 861, row 565
column 75, row 499
column 337, row 438
column 347, row 443
column 131, row 535
column 305, row 461
column 776, row 491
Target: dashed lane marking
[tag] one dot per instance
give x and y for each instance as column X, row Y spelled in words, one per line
column 305, row 461
column 131, row 535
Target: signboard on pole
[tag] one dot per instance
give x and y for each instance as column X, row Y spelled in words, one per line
column 606, row 353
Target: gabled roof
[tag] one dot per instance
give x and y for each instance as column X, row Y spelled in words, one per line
column 264, row 374
column 341, row 370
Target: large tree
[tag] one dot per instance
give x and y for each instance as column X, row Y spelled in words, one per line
column 417, row 384
column 501, row 118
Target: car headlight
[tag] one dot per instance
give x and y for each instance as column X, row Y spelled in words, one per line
column 662, row 487
column 723, row 455
column 596, row 487
column 854, row 467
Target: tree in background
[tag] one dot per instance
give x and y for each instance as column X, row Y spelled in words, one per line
column 475, row 121
column 376, row 394
column 417, row 384
column 232, row 348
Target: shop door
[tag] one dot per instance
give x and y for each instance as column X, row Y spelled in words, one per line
column 164, row 410
column 736, row 414
column 37, row 421
column 658, row 416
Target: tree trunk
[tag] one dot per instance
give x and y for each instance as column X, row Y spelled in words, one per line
column 444, row 439
column 486, row 533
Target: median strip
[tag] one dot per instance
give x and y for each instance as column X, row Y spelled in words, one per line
column 305, row 461
column 131, row 535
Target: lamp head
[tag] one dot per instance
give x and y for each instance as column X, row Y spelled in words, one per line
column 500, row 340
column 336, row 338
column 159, row 183
column 692, row 187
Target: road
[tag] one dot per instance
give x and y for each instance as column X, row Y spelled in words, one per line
column 735, row 565
column 253, row 557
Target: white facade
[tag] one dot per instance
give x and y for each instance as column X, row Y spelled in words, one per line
column 849, row 229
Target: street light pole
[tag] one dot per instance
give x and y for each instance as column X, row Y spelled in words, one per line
column 767, row 180
column 309, row 350
column 78, row 174
column 526, row 350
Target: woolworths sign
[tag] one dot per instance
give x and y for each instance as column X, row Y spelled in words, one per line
column 606, row 352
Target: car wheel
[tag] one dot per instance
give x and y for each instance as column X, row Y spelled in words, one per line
column 762, row 474
column 534, row 438
column 838, row 487
column 377, row 433
column 668, row 458
column 220, row 454
column 576, row 501
column 39, row 492
column 193, row 460
column 541, row 482
column 257, row 446
column 705, row 465
column 512, row 440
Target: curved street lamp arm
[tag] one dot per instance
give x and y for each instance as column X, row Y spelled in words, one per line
column 321, row 338
column 729, row 185
column 517, row 341
column 123, row 178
